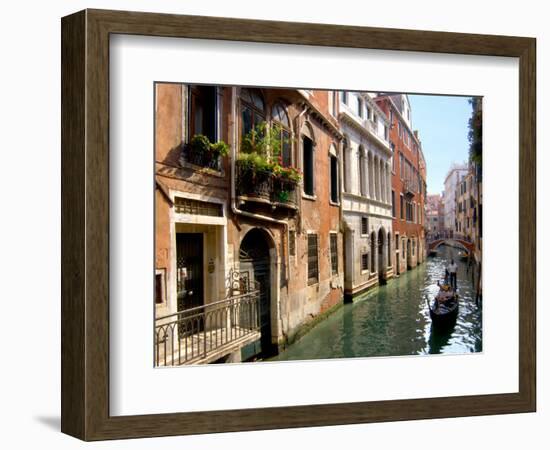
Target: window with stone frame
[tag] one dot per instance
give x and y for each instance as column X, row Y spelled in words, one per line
column 364, row 226
column 308, row 158
column 202, row 117
column 334, row 253
column 364, row 261
column 334, row 185
column 344, row 97
column 312, row 259
column 160, row 289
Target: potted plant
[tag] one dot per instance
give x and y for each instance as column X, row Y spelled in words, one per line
column 202, row 152
column 285, row 180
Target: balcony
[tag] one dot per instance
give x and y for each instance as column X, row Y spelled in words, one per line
column 206, row 333
column 408, row 188
column 265, row 187
column 201, row 160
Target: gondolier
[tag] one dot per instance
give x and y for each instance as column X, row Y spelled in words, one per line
column 452, row 268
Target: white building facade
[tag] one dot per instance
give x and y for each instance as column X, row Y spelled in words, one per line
column 455, row 174
column 366, row 196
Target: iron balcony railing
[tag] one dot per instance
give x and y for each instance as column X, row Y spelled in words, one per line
column 266, row 186
column 206, row 160
column 195, row 334
column 409, row 188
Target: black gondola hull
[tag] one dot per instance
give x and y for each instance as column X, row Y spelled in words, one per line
column 445, row 319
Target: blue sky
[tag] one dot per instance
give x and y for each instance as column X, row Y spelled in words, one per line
column 442, row 124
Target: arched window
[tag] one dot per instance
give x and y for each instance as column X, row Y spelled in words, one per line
column 334, row 183
column 361, row 162
column 346, row 164
column 280, row 119
column 252, row 110
column 308, row 159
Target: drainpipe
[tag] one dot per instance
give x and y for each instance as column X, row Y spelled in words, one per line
column 234, row 209
column 298, row 126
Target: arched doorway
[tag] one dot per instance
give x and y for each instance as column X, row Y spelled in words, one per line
column 381, row 255
column 254, row 258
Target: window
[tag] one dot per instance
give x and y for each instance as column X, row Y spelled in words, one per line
column 359, row 106
column 392, row 145
column 159, row 288
column 312, row 260
column 401, row 166
column 386, row 133
column 197, row 207
column 281, row 121
column 401, row 207
column 364, row 261
column 393, row 203
column 202, row 111
column 307, row 148
column 333, row 179
column 364, row 225
column 361, row 164
column 334, row 253
column 369, row 112
column 344, row 95
column 292, row 243
column 252, row 110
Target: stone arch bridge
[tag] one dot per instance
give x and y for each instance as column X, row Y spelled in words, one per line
column 466, row 245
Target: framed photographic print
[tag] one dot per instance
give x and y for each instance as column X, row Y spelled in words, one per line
column 268, row 224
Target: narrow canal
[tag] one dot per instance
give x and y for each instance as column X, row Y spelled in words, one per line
column 394, row 319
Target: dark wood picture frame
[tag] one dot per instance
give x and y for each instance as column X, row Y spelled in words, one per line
column 85, row 224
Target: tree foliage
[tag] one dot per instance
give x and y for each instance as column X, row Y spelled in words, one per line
column 475, row 132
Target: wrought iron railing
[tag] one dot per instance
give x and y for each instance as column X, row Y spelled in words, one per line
column 265, row 185
column 206, row 160
column 196, row 333
column 409, row 188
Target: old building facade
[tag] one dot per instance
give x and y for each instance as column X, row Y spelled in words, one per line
column 408, row 184
column 258, row 205
column 453, row 178
column 435, row 217
column 366, row 193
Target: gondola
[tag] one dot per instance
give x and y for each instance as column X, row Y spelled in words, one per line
column 444, row 308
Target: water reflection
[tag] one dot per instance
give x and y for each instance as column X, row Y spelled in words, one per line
column 394, row 319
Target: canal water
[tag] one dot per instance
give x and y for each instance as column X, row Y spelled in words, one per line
column 394, row 319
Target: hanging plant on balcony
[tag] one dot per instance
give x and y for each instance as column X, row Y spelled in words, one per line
column 287, row 173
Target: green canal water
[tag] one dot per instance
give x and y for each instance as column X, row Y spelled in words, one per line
column 394, row 320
